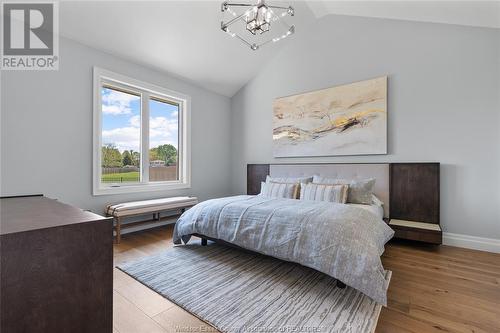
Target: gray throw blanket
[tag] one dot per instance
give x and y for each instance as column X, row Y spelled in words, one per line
column 342, row 241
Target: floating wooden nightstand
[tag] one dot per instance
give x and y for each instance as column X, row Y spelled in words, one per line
column 424, row 232
column 414, row 201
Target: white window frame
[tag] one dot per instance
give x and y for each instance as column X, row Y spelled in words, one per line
column 146, row 90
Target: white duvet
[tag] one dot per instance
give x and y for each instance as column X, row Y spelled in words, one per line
column 343, row 241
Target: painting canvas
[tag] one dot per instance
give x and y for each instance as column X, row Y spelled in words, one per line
column 345, row 120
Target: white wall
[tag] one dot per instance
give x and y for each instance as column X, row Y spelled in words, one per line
column 46, row 130
column 443, row 104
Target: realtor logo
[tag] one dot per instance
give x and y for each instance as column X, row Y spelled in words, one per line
column 30, row 39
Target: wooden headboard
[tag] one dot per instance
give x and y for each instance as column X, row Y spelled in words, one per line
column 409, row 190
column 414, row 192
column 256, row 173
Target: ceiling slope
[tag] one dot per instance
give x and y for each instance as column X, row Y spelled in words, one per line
column 183, row 38
column 179, row 37
column 470, row 13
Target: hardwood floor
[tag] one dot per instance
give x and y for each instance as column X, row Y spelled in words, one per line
column 433, row 289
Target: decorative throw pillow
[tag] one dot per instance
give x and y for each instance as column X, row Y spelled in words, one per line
column 279, row 190
column 290, row 180
column 360, row 191
column 294, row 180
column 324, row 192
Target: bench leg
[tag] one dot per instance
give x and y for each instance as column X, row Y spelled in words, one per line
column 340, row 285
column 118, row 229
column 203, row 242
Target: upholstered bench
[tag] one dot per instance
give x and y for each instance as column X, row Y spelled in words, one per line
column 155, row 207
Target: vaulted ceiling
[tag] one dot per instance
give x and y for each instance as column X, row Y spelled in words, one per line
column 184, row 37
column 179, row 37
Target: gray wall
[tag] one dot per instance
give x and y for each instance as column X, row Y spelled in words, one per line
column 443, row 104
column 46, row 130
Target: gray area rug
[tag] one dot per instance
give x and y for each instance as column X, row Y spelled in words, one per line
column 239, row 291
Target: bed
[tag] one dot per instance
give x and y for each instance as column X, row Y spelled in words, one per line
column 344, row 241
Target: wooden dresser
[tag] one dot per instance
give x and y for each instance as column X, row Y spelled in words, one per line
column 56, row 272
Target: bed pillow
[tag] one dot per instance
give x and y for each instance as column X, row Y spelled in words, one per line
column 324, row 192
column 376, row 201
column 279, row 190
column 360, row 191
column 290, row 180
column 294, row 180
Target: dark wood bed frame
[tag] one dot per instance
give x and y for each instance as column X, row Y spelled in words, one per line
column 413, row 193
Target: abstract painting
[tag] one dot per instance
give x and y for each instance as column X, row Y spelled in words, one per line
column 345, row 120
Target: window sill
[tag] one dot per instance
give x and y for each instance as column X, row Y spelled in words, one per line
column 139, row 188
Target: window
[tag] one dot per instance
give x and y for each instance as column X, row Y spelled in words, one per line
column 141, row 136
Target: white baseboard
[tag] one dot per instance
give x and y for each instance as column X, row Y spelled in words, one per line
column 472, row 242
column 148, row 226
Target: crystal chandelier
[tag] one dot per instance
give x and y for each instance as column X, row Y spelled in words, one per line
column 254, row 20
